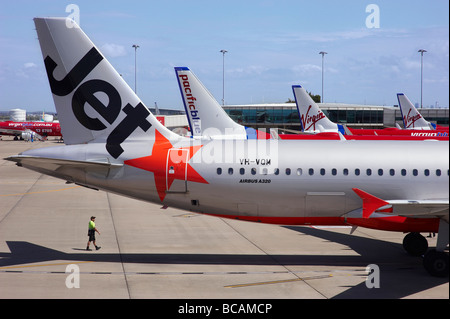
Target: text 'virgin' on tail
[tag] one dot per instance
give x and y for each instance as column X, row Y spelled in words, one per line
column 312, row 119
column 412, row 119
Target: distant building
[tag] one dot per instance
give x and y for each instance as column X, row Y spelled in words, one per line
column 166, row 111
column 285, row 115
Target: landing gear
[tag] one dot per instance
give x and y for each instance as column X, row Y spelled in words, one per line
column 436, row 263
column 415, row 244
column 436, row 260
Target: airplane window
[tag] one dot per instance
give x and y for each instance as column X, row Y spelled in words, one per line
column 357, row 171
column 311, row 171
column 276, row 171
column 345, row 171
column 253, row 171
column 242, row 171
column 380, row 172
column 403, row 172
column 219, row 171
column 299, row 171
column 230, row 171
column 369, row 172
column 426, row 172
column 334, row 172
column 438, row 172
column 264, row 171
column 392, row 172
column 322, row 171
column 415, row 172
column 288, row 171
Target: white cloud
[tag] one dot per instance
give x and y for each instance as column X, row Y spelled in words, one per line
column 250, row 70
column 336, row 36
column 306, row 68
column 113, row 50
column 28, row 70
column 29, row 65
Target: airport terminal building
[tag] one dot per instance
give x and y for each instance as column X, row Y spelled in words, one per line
column 285, row 115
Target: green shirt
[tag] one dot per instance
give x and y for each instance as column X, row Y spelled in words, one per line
column 91, row 225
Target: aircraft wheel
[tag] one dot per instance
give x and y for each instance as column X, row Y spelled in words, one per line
column 415, row 244
column 436, row 263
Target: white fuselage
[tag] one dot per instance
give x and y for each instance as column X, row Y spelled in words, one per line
column 273, row 178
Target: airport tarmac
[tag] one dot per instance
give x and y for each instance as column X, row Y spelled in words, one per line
column 150, row 252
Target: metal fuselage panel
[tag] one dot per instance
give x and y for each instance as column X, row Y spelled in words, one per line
column 270, row 177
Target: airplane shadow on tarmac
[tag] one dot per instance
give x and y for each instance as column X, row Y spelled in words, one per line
column 401, row 275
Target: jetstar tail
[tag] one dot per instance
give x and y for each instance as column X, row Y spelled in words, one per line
column 93, row 102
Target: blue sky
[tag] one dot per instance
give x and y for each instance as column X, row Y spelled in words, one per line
column 271, row 46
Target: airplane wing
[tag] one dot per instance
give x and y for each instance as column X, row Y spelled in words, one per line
column 409, row 208
column 64, row 168
column 44, row 161
column 419, row 207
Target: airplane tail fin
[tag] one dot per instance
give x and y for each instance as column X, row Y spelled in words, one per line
column 93, row 102
column 206, row 117
column 312, row 119
column 412, row 119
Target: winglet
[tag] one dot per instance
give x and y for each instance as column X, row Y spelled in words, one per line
column 370, row 202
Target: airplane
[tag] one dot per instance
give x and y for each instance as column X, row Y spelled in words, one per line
column 115, row 144
column 313, row 120
column 40, row 129
column 206, row 115
column 412, row 119
column 207, row 119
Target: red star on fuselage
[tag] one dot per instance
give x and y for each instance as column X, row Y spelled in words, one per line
column 177, row 164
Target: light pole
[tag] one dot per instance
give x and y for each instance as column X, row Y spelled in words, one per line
column 223, row 75
column 135, row 46
column 421, row 51
column 323, row 54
